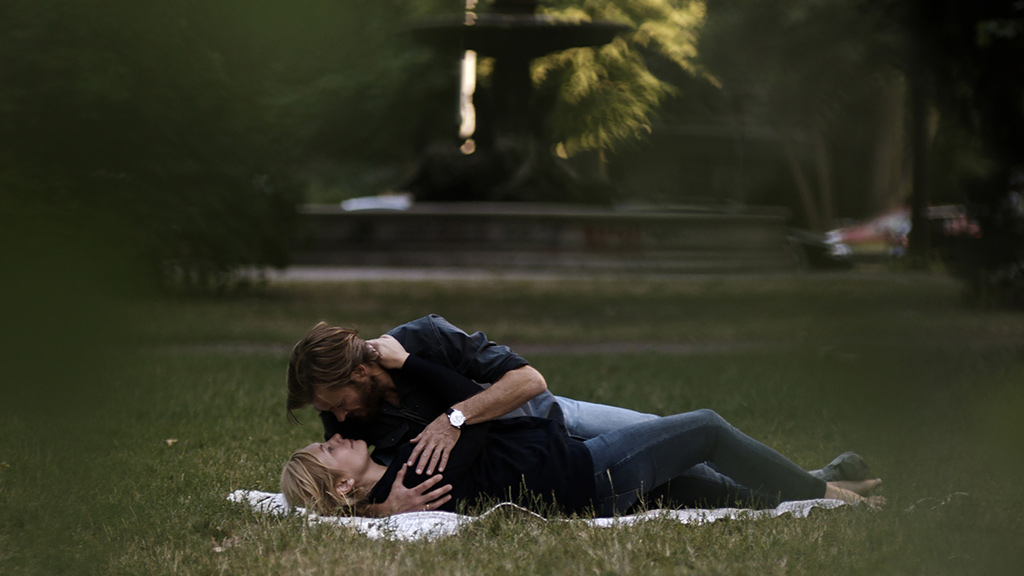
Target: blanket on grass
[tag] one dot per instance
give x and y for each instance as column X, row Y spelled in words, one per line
column 431, row 525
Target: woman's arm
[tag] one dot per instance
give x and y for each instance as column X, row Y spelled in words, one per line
column 444, row 383
column 447, row 385
column 472, row 355
column 401, row 498
column 403, row 490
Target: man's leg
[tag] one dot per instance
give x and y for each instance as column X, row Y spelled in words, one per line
column 586, row 420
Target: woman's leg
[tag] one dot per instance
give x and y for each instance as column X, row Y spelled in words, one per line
column 703, row 487
column 699, row 485
column 634, row 460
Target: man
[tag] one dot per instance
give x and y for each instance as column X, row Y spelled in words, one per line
column 338, row 373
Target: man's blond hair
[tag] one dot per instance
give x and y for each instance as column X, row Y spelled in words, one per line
column 326, row 357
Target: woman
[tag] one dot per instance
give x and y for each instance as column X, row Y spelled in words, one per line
column 533, row 461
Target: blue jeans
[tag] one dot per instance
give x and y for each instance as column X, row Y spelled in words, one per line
column 632, row 461
column 586, row 420
column 699, row 486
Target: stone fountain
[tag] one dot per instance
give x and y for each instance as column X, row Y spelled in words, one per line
column 498, row 197
column 506, row 157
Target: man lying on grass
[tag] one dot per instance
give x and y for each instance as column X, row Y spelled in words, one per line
column 534, row 461
column 361, row 395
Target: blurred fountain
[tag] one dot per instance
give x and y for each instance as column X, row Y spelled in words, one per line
column 501, row 153
column 498, row 197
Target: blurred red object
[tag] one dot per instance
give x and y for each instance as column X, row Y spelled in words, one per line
column 887, row 233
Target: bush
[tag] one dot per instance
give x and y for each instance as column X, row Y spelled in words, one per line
column 133, row 125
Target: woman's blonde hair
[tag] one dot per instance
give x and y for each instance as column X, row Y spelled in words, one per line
column 306, row 482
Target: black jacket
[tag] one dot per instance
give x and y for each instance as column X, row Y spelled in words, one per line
column 513, row 459
column 435, row 339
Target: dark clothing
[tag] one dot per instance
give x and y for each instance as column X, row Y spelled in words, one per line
column 516, row 458
column 474, row 356
column 522, row 460
column 505, row 459
column 635, row 460
column 434, row 339
column 393, row 425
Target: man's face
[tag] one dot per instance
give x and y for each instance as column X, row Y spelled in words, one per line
column 342, row 401
column 360, row 399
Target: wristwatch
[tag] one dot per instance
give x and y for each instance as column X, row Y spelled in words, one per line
column 456, row 418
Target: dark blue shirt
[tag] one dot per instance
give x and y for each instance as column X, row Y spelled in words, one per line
column 527, row 460
column 436, row 340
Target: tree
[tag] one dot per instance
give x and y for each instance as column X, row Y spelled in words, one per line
column 134, row 126
column 810, row 77
column 962, row 58
column 606, row 95
column 188, row 129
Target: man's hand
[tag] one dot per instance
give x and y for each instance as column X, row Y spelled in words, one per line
column 392, row 353
column 433, row 446
column 420, row 497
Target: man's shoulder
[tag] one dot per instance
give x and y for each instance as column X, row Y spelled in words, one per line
column 431, row 329
column 420, row 323
column 428, row 337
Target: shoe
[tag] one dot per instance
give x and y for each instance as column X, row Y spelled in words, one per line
column 847, row 466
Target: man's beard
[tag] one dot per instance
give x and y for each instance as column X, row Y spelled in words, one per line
column 373, row 395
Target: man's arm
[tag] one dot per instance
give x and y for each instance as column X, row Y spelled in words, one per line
column 434, row 444
column 511, row 391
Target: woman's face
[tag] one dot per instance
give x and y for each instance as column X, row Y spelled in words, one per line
column 350, row 457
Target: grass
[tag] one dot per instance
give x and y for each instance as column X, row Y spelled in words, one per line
column 119, row 461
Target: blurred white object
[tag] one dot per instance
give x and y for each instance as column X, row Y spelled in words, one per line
column 467, row 113
column 382, row 202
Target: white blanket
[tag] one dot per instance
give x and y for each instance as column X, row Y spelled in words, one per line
column 431, row 525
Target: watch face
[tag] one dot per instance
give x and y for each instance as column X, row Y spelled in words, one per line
column 456, row 418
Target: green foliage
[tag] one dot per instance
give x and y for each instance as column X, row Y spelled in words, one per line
column 959, row 57
column 801, row 61
column 812, row 82
column 607, row 94
column 186, row 130
column 135, row 121
column 346, row 82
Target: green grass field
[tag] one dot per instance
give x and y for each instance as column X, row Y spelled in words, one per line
column 121, row 442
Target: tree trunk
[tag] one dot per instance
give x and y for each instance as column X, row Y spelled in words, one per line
column 889, row 164
column 920, row 240
column 826, row 193
column 803, row 188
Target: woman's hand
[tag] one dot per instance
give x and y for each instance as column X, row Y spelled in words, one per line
column 415, row 499
column 392, row 353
